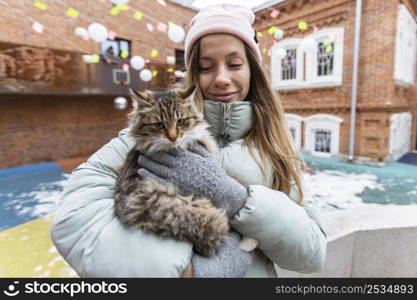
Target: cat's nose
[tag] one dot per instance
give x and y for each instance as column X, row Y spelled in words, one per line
column 172, row 135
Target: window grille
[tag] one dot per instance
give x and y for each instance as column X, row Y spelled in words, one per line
column 289, row 65
column 292, row 130
column 325, row 56
column 121, row 77
column 322, row 140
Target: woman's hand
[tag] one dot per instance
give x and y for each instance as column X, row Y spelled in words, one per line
column 195, row 172
column 188, row 272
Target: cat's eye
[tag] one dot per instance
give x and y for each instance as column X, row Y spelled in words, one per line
column 159, row 125
column 180, row 122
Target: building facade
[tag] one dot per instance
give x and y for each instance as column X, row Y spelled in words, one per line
column 311, row 69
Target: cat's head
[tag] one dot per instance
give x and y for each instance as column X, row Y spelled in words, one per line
column 165, row 120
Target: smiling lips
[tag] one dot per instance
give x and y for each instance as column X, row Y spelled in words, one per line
column 225, row 97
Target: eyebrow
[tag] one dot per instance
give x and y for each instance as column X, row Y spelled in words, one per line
column 231, row 54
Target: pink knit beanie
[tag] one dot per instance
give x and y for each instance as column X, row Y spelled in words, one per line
column 236, row 20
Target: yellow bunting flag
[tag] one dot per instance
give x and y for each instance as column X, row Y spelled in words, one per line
column 114, row 11
column 259, row 34
column 171, row 25
column 154, row 73
column 302, row 25
column 124, row 54
column 72, row 13
column 170, row 70
column 96, row 58
column 272, row 29
column 40, row 5
column 122, row 7
column 138, row 15
column 329, row 48
column 264, row 50
column 154, row 53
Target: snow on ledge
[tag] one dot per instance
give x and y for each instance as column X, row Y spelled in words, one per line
column 340, row 223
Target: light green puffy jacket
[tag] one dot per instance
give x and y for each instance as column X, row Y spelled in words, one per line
column 94, row 242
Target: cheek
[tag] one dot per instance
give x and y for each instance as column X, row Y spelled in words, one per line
column 245, row 77
column 204, row 82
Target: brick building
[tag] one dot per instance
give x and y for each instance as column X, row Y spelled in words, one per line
column 55, row 106
column 315, row 81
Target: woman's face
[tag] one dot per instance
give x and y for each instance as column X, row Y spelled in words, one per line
column 224, row 71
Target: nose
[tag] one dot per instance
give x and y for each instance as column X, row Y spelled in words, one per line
column 172, row 134
column 222, row 78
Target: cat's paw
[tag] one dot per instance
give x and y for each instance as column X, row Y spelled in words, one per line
column 248, row 244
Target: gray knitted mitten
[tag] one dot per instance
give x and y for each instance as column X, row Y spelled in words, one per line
column 195, row 172
column 229, row 261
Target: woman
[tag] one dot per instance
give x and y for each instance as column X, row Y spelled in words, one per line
column 247, row 120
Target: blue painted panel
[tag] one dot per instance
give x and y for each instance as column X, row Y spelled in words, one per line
column 29, row 192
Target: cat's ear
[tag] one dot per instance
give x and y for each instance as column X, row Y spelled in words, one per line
column 186, row 93
column 141, row 99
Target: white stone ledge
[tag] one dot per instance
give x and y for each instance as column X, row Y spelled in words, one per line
column 371, row 241
column 370, row 217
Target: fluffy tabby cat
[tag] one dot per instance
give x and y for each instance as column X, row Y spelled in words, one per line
column 160, row 121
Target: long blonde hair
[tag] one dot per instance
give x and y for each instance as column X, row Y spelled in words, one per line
column 269, row 134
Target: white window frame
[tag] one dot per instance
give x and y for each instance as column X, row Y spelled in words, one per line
column 325, row 122
column 311, row 58
column 405, row 48
column 310, row 79
column 295, row 121
column 277, row 82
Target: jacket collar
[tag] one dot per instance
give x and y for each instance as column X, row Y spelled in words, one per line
column 228, row 121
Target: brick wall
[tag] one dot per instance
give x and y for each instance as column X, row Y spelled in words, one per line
column 48, row 128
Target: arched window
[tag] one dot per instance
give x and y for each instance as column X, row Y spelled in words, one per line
column 287, row 70
column 294, row 123
column 322, row 134
column 325, row 66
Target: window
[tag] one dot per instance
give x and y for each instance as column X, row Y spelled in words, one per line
column 292, row 131
column 322, row 139
column 114, row 48
column 179, row 58
column 322, row 134
column 289, row 65
column 325, row 57
column 121, row 77
column 405, row 48
column 323, row 67
column 294, row 123
column 287, row 59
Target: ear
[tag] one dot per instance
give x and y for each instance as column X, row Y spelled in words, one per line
column 141, row 99
column 185, row 93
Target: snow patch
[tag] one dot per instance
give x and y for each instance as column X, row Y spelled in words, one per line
column 340, row 190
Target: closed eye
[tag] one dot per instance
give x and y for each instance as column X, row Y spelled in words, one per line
column 205, row 69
